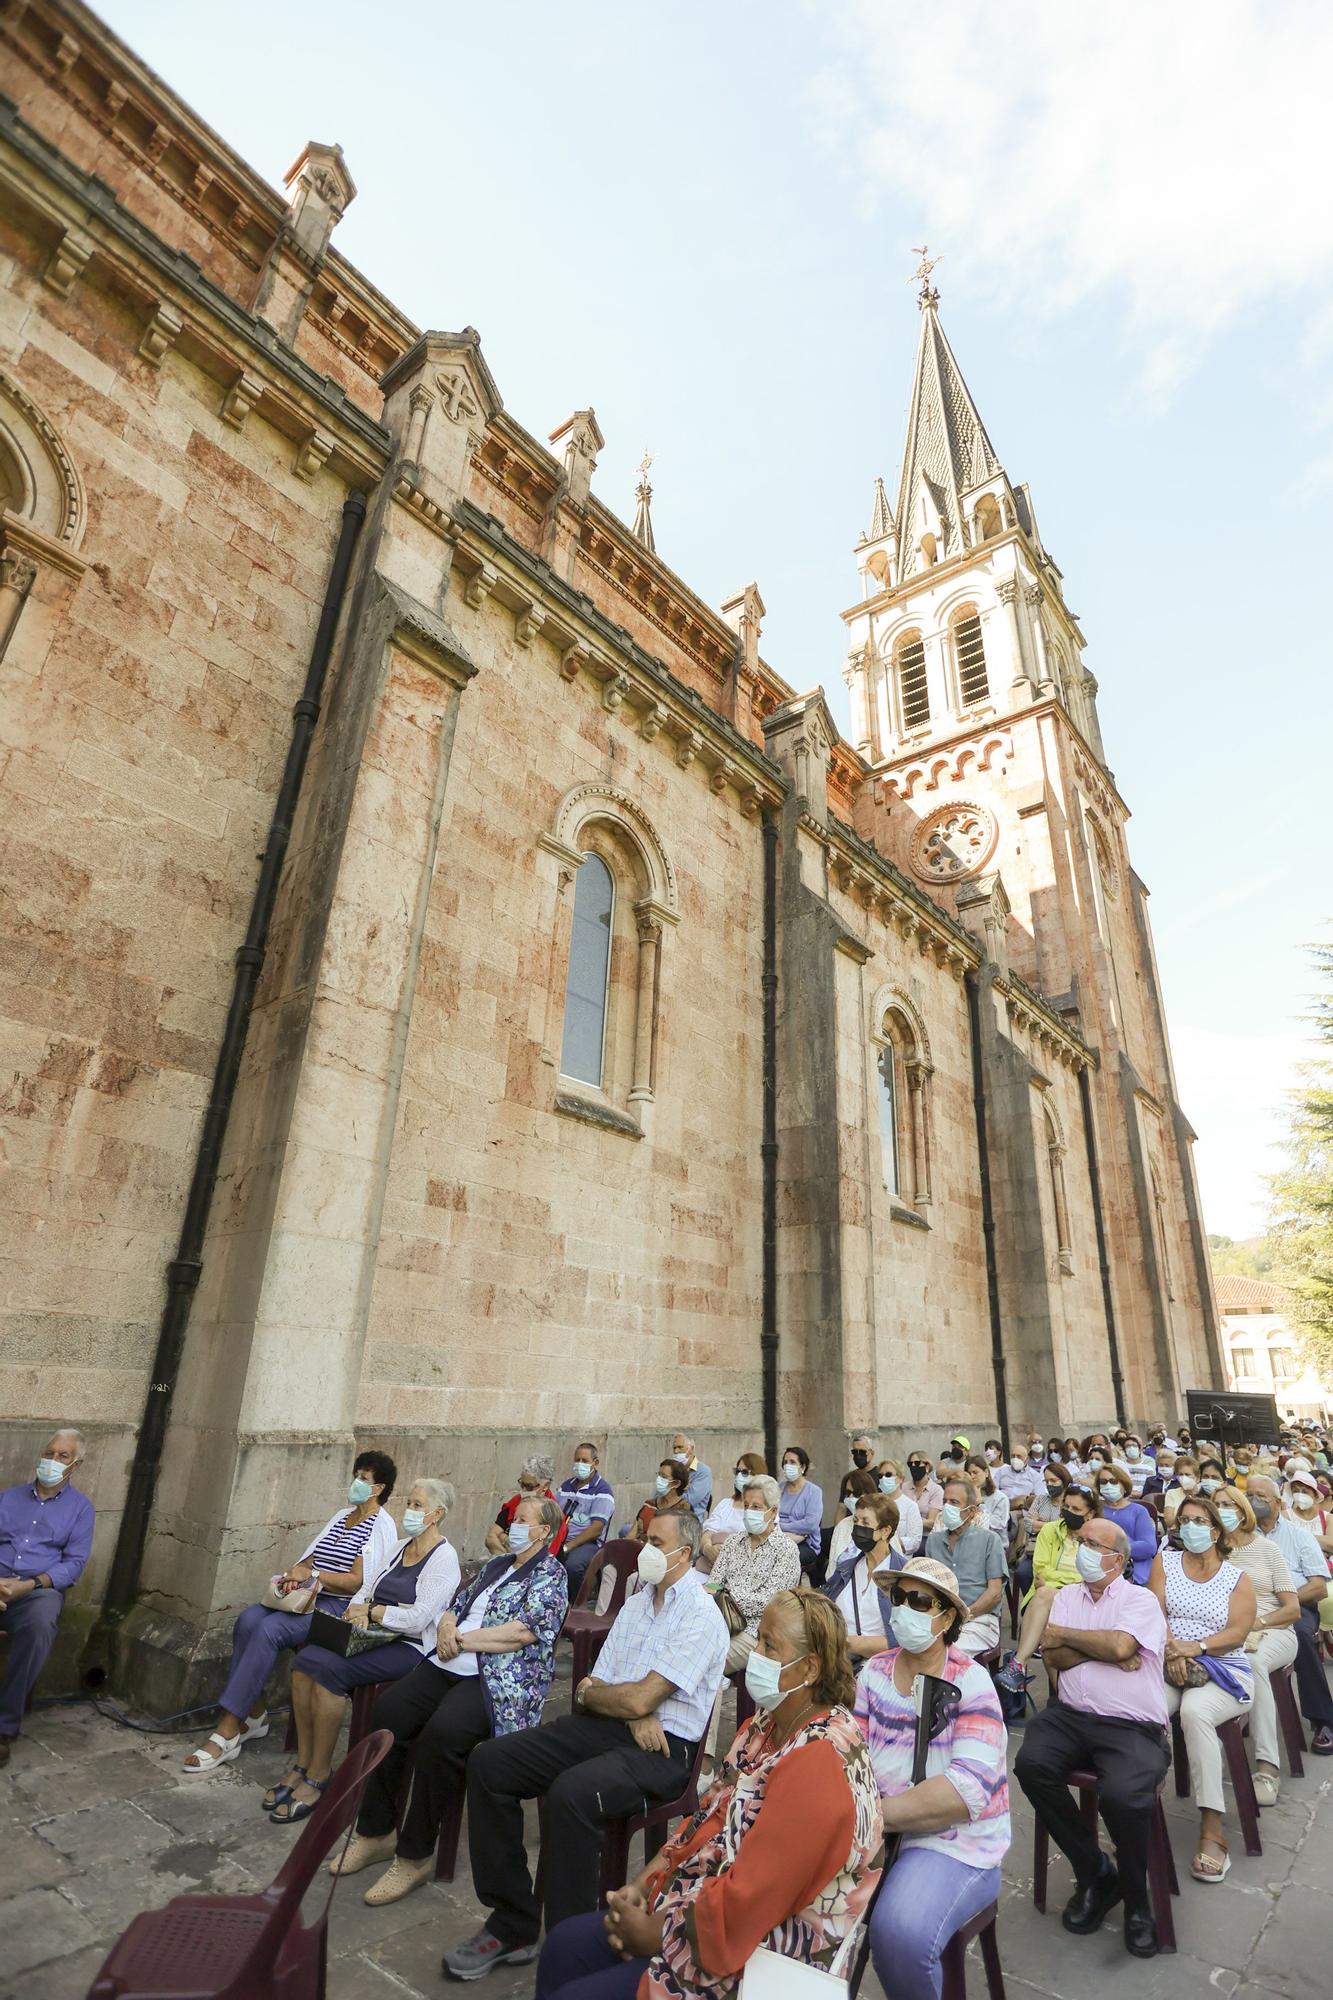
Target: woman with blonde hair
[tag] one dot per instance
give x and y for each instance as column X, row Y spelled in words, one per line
column 781, row 1854
column 1272, row 1641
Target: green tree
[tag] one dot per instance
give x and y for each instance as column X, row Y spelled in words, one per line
column 1302, row 1228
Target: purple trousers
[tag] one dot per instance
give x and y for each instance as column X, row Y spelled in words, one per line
column 257, row 1637
column 31, row 1625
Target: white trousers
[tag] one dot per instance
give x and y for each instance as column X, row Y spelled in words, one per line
column 1201, row 1711
column 980, row 1634
column 1275, row 1649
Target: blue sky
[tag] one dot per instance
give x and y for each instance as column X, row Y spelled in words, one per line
column 698, row 217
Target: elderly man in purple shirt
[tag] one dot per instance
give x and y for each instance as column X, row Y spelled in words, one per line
column 46, row 1536
column 1106, row 1639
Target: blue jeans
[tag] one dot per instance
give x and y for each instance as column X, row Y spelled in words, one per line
column 257, row 1637
column 926, row 1898
column 577, row 1963
column 31, row 1624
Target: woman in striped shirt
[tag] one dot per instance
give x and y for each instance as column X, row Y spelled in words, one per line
column 955, row 1823
column 358, row 1541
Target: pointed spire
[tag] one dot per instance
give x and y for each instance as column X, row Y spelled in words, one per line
column 947, row 451
column 642, row 529
column 881, row 520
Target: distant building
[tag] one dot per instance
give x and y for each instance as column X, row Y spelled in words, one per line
column 1262, row 1349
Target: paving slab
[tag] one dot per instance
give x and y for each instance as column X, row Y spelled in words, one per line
column 38, row 1925
column 63, row 1785
column 29, row 1862
column 117, row 1828
column 1295, row 1953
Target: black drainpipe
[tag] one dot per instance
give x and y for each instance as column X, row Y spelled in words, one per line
column 998, row 1363
column 1108, row 1302
column 768, row 1150
column 184, row 1270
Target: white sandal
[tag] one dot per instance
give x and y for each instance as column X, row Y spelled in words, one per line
column 252, row 1731
column 228, row 1747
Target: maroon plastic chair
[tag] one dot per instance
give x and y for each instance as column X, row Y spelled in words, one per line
column 245, row 1947
column 1163, row 1882
column 363, row 1700
column 652, row 1823
column 1289, row 1720
column 585, row 1628
column 953, row 1959
column 1238, row 1767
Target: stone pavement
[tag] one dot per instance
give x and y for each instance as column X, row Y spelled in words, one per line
column 95, row 1825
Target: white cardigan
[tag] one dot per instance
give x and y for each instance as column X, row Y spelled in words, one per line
column 380, row 1542
column 438, row 1579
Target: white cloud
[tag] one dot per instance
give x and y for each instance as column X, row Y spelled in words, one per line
column 1172, row 157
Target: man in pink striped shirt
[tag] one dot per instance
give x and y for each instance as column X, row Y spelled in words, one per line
column 1106, row 1639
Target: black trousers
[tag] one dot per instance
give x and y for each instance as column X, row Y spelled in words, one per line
column 1130, row 1759
column 443, row 1718
column 1316, row 1701
column 589, row 1770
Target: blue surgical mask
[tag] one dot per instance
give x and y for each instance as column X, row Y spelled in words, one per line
column 1110, row 1492
column 582, row 1469
column 662, row 1483
column 1132, row 1453
column 520, row 1538
column 1197, row 1537
column 1211, row 1485
column 756, row 1520
column 951, row 1517
column 741, row 1478
column 888, row 1483
column 762, row 1676
column 360, row 1491
column 414, row 1520
column 914, row 1630
column 1229, row 1518
column 791, row 1471
column 50, row 1471
column 1089, row 1563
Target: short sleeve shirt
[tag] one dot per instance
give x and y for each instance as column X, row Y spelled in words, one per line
column 976, row 1558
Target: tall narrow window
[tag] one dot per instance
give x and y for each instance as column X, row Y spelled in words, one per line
column 581, row 1051
column 973, row 685
column 913, row 693
column 1055, row 1165
column 888, row 1118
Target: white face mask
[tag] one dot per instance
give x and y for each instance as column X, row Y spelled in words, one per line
column 756, row 1520
column 992, row 1457
column 1188, row 1481
column 1019, row 1464
column 681, row 1457
column 1305, row 1501
column 653, row 1565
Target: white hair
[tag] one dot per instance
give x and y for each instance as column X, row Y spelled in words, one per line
column 69, row 1431
column 438, row 1493
column 762, row 1482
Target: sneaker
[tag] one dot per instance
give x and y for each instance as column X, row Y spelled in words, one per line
column 1014, row 1676
column 1266, row 1788
column 399, row 1880
column 481, row 1953
column 363, row 1850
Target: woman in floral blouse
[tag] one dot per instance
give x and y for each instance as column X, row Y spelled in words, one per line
column 489, row 1673
column 782, row 1853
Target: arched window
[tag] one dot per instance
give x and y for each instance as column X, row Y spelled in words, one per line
column 583, row 1047
column 970, row 660
column 913, row 690
column 987, row 517
column 902, row 1069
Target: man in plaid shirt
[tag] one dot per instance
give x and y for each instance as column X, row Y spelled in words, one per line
column 634, row 1730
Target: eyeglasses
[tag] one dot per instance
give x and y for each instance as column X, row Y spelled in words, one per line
column 919, row 1600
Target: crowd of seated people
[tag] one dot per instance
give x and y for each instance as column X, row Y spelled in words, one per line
column 1172, row 1580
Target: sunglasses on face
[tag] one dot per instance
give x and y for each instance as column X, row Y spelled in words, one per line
column 918, row 1600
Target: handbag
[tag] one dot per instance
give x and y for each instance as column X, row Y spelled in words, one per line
column 734, row 1618
column 347, row 1641
column 296, row 1601
column 770, row 1976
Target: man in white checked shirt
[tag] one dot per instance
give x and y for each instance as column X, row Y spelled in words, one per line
column 636, row 1723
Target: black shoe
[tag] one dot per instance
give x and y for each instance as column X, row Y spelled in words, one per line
column 1140, row 1934
column 1321, row 1742
column 1086, row 1910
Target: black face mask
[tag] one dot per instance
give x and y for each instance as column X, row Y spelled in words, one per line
column 860, row 1459
column 918, row 1469
column 1071, row 1520
column 865, row 1538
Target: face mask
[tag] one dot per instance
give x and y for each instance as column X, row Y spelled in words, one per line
column 1263, row 1509
column 756, row 1520
column 1111, row 1493
column 1096, row 1461
column 663, row 1485
column 50, row 1471
column 1132, row 1453
column 1019, row 1464
column 864, row 1538
column 414, row 1520
column 1197, row 1536
column 951, row 1517
column 914, row 1630
column 741, row 1478
column 762, row 1676
column 1229, row 1518
column 1071, row 1520
column 1089, row 1561
column 1057, row 1458
column 889, row 1483
column 992, row 1458
column 582, row 1469
column 849, row 1502
column 653, row 1565
column 1211, row 1485
column 860, row 1459
column 1188, row 1481
column 1305, row 1501
column 1054, row 1492
column 520, row 1538
column 359, row 1492
column 681, row 1457
column 791, row 1472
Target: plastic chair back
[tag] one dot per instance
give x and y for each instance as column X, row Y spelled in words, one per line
column 331, row 1820
column 623, row 1558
